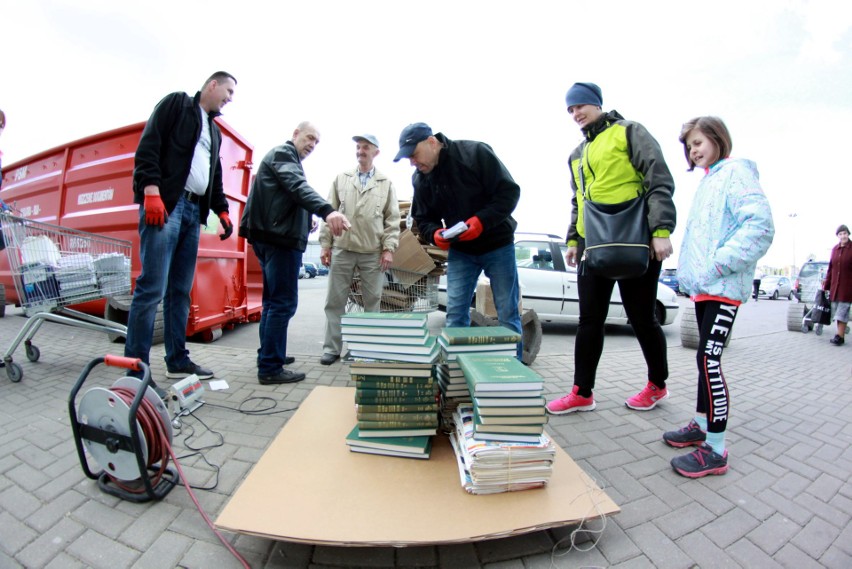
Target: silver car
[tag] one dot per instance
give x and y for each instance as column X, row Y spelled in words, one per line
column 775, row 287
column 549, row 285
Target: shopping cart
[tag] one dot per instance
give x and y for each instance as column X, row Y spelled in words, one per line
column 403, row 291
column 56, row 267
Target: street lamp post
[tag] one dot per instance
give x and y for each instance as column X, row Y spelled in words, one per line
column 793, row 216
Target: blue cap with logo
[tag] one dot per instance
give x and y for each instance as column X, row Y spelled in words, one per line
column 411, row 136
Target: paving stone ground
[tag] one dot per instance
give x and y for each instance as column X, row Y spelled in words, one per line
column 785, row 502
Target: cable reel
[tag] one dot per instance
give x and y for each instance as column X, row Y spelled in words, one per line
column 126, row 430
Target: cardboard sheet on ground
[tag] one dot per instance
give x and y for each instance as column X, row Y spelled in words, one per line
column 309, row 488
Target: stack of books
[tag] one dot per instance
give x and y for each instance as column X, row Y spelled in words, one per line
column 507, row 398
column 390, row 336
column 483, row 340
column 396, row 408
column 491, row 467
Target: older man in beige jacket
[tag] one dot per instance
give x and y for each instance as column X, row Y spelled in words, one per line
column 368, row 199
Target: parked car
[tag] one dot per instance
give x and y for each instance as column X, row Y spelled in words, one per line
column 322, row 270
column 805, row 288
column 775, row 287
column 302, row 272
column 549, row 285
column 669, row 278
column 310, row 270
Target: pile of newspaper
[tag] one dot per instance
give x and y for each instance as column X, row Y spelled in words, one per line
column 492, row 467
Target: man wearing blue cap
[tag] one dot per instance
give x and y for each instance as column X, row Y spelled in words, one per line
column 463, row 181
column 368, row 199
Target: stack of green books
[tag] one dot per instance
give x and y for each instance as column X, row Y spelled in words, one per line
column 394, row 399
column 405, row 447
column 483, row 340
column 395, row 336
column 507, row 398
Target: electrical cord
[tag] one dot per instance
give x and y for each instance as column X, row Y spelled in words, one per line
column 268, row 410
column 160, row 449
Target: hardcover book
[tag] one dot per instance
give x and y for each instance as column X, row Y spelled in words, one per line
column 375, row 367
column 401, row 432
column 477, row 348
column 394, row 340
column 479, row 335
column 399, row 408
column 428, row 348
column 397, row 453
column 497, row 374
column 509, row 401
column 348, row 329
column 388, row 319
column 381, row 399
column 405, row 418
column 393, row 381
column 398, row 357
column 369, row 426
column 419, row 445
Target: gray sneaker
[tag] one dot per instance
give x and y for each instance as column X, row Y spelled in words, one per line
column 701, row 462
column 187, row 370
column 688, row 436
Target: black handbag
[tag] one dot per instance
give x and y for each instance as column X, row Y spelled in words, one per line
column 822, row 309
column 617, row 236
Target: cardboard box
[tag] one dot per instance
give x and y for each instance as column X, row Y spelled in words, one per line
column 411, row 257
column 485, row 301
column 309, row 488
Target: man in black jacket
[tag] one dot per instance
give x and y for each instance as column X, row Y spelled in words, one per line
column 463, row 181
column 177, row 180
column 276, row 221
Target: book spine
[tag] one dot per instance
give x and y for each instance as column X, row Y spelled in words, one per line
column 394, row 400
column 420, row 388
column 396, row 391
column 430, row 407
column 367, row 425
column 404, row 418
column 408, row 379
column 480, row 340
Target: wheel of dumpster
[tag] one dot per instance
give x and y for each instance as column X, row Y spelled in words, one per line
column 795, row 316
column 689, row 337
column 117, row 309
column 2, row 300
column 530, row 331
column 14, row 372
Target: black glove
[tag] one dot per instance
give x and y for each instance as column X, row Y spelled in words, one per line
column 226, row 225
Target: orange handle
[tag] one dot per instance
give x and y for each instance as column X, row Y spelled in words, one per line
column 122, row 361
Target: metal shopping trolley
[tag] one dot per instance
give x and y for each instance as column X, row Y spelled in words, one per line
column 403, row 291
column 56, row 267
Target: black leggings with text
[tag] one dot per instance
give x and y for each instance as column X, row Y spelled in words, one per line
column 715, row 320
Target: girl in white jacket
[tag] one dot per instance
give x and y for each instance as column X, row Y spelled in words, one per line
column 728, row 230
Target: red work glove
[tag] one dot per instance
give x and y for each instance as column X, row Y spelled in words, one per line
column 155, row 210
column 226, row 225
column 474, row 229
column 440, row 241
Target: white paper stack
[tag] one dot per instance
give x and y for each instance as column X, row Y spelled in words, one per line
column 492, row 467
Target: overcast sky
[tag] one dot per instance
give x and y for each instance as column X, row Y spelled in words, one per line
column 777, row 71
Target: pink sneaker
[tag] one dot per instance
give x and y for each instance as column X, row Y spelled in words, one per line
column 571, row 403
column 648, row 398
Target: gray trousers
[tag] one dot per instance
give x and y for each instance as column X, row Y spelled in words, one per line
column 341, row 271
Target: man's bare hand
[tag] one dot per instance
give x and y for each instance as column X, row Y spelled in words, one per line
column 386, row 260
column 337, row 223
column 325, row 256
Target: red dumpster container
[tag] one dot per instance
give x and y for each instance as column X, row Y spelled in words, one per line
column 88, row 185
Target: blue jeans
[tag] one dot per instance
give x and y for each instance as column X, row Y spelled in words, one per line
column 168, row 257
column 280, row 269
column 463, row 271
